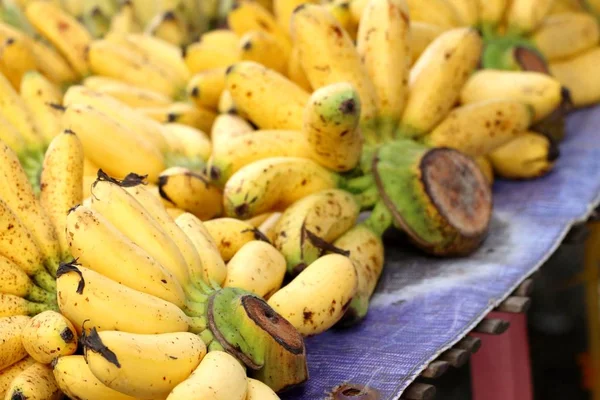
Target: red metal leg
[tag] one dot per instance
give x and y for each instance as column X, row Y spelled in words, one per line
column 501, row 369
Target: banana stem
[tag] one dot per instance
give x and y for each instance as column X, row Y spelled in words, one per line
column 368, row 198
column 44, row 280
column 194, row 294
column 380, row 219
column 360, row 184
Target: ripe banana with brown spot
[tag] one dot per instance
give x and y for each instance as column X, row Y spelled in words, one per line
column 16, row 59
column 229, row 235
column 263, row 48
column 205, row 88
column 49, row 335
column 9, row 373
column 11, row 346
column 36, row 382
column 14, row 281
column 528, row 156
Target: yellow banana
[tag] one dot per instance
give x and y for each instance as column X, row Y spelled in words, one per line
column 295, row 72
column 357, row 7
column 124, row 22
column 9, row 373
column 182, row 113
column 12, row 138
column 63, row 31
column 61, row 183
column 437, row 78
column 340, row 9
column 75, row 379
column 16, row 58
column 220, row 376
column 528, row 156
column 274, row 183
column 88, row 298
column 491, row 12
column 227, row 127
column 467, row 11
column 191, row 142
column 564, row 36
column 259, row 219
column 43, row 99
column 259, row 391
column 205, row 88
column 146, row 366
column 52, row 65
column 112, row 146
column 99, row 245
column 307, row 226
column 566, row 6
column 540, row 91
column 12, row 305
column 331, row 118
column 169, row 27
column 256, row 92
column 201, row 56
column 126, row 93
column 485, row 165
column 478, row 128
column 257, row 267
column 383, row 45
column 229, row 235
column 36, row 382
column 14, row 110
column 223, row 38
column 11, row 346
column 283, row 10
column 190, row 191
column 267, row 228
column 579, row 76
column 89, row 170
column 421, row 36
column 318, row 297
column 14, row 281
column 524, row 16
column 332, row 58
column 437, row 12
column 49, row 335
column 263, row 48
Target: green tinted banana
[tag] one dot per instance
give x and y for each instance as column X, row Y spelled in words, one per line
column 229, row 235
column 528, row 156
column 49, row 335
column 13, row 305
column 36, row 382
column 14, row 281
column 11, row 346
column 579, row 76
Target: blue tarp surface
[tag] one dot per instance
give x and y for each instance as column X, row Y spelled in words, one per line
column 423, row 306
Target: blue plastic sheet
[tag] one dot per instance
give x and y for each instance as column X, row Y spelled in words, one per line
column 423, row 305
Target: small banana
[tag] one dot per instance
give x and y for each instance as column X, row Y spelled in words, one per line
column 52, row 65
column 274, row 183
column 223, row 38
column 421, row 35
column 13, row 305
column 478, row 128
column 564, row 36
column 147, row 366
column 436, row 12
column 169, row 27
column 257, row 90
column 182, row 113
column 35, row 382
column 12, row 138
column 340, row 9
column 9, row 373
column 295, row 71
column 11, row 347
column 263, row 48
column 15, row 282
column 190, row 191
column 467, row 11
column 437, row 78
column 218, row 377
column 202, row 56
column 75, row 379
column 524, row 16
column 43, row 99
column 491, row 13
column 49, row 335
column 259, row 391
column 257, row 267
column 123, row 21
column 229, row 235
column 188, row 146
column 97, row 21
column 63, row 31
column 318, row 297
column 267, row 228
column 16, row 58
column 308, row 226
column 127, row 93
column 205, row 88
column 227, row 127
column 283, row 10
column 577, row 75
column 528, row 156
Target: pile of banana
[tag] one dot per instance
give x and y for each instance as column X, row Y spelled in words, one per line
column 180, row 208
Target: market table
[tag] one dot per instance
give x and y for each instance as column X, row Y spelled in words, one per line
column 423, row 305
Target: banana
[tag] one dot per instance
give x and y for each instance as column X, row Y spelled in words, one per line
column 331, row 118
column 115, row 60
column 123, row 21
column 577, row 75
column 305, row 229
column 213, row 266
column 63, row 31
column 192, row 143
column 257, row 90
column 10, row 136
column 564, row 36
column 485, row 165
column 146, row 128
column 169, row 27
column 257, row 267
column 274, row 183
column 11, row 347
column 259, row 391
column 36, row 382
column 14, row 281
column 201, row 56
column 263, row 48
column 14, row 110
column 333, row 58
column 226, row 104
column 467, row 11
column 528, row 156
column 74, row 378
column 97, row 21
column 283, row 10
column 218, row 377
column 190, row 191
column 240, row 151
column 340, row 9
column 259, row 219
column 421, row 35
column 357, row 7
column 437, row 78
column 566, row 6
column 383, row 45
column 112, row 146
column 524, row 16
column 12, row 305
column 43, row 99
column 182, row 113
column 126, row 93
column 205, row 88
column 146, row 366
column 49, row 335
column 52, row 65
column 295, row 72
column 61, row 183
column 229, row 235
column 99, row 245
column 366, row 252
column 223, row 38
column 318, row 297
column 89, row 170
column 85, row 296
column 491, row 13
column 540, row 91
column 436, row 12
column 9, row 373
column 16, row 58
column 251, row 16
column 226, row 128
column 478, row 128
column 267, row 228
